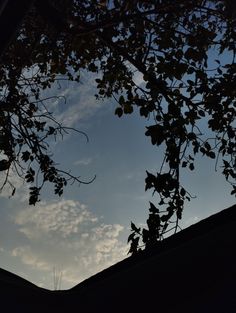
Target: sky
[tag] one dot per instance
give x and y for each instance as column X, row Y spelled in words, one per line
column 85, row 230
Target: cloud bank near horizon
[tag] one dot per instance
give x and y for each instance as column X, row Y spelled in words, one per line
column 67, row 235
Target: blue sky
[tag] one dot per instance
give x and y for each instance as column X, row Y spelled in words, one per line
column 86, row 229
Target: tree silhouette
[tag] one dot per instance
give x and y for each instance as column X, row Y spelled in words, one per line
column 185, row 53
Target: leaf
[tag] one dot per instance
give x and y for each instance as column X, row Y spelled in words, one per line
column 144, row 111
column 150, row 181
column 190, row 70
column 119, row 112
column 191, row 54
column 128, row 109
column 190, row 82
column 164, row 218
column 212, row 154
column 182, row 192
column 203, row 150
column 191, row 136
column 145, row 235
column 4, row 165
column 121, row 100
column 195, row 149
column 156, row 132
column 226, row 163
column 134, row 228
column 51, row 130
column 131, row 237
column 201, row 113
column 191, row 158
column 191, row 166
column 29, row 178
column 30, row 175
column 134, row 246
column 207, row 146
column 25, row 156
column 34, row 195
column 153, row 208
column 233, row 191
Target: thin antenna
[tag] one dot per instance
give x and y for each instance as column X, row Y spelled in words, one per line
column 57, row 277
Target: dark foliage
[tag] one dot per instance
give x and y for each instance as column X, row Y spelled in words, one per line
column 185, row 53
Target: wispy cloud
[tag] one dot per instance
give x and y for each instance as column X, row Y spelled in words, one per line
column 76, row 101
column 85, row 161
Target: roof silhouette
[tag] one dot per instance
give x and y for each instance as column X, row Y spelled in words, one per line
column 199, row 229
column 191, row 271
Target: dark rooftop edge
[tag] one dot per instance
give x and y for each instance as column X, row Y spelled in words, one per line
column 198, row 229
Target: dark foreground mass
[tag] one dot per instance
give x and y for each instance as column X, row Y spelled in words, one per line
column 192, row 271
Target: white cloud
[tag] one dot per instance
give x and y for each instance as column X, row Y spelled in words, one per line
column 29, row 258
column 64, row 218
column 189, row 221
column 85, row 161
column 66, row 234
column 111, row 231
column 80, row 102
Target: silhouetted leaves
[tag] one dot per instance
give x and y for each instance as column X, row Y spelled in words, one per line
column 233, row 192
column 119, row 112
column 134, row 228
column 212, row 154
column 25, row 156
column 29, row 177
column 131, row 237
column 134, row 246
column 157, row 134
column 34, row 195
column 4, row 165
column 191, row 166
column 153, row 209
column 134, row 239
column 143, row 56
